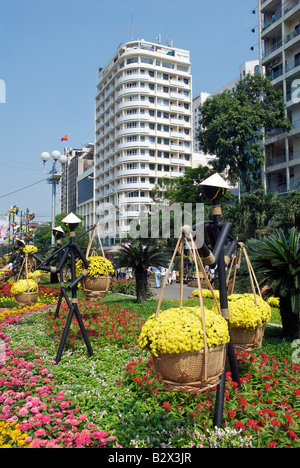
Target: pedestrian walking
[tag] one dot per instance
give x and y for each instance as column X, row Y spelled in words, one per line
column 156, row 272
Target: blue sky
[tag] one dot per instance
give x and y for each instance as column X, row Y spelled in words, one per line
column 50, row 52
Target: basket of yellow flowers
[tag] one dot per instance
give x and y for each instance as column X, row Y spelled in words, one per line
column 248, row 312
column 25, row 292
column 95, row 284
column 248, row 317
column 188, row 344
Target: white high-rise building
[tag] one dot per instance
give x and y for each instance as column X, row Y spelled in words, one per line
column 279, row 38
column 143, row 129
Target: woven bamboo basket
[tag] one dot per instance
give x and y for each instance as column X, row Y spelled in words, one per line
column 185, row 371
column 191, row 371
column 247, row 340
column 95, row 288
column 27, row 299
column 242, row 338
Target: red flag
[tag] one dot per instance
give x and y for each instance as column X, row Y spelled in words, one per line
column 64, row 138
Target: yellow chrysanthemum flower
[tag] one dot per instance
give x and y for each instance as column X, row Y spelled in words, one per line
column 179, row 330
column 98, row 266
column 245, row 314
column 23, row 285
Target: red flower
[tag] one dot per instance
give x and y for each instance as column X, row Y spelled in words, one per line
column 292, row 435
column 243, row 402
column 167, row 406
column 239, row 425
column 231, row 414
column 272, row 444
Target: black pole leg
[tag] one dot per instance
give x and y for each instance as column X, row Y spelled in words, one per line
column 219, row 406
column 233, row 364
column 58, row 304
column 83, row 330
column 64, row 336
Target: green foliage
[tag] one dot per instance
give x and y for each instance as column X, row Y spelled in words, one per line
column 254, row 215
column 231, row 124
column 42, row 239
column 276, row 262
column 185, row 189
column 139, row 255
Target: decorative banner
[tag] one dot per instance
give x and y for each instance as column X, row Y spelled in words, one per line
column 4, row 231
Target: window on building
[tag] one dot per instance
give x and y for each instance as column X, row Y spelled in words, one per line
column 132, row 60
column 182, row 68
column 147, row 60
column 132, row 180
column 132, row 166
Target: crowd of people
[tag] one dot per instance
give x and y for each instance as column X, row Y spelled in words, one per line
column 159, row 274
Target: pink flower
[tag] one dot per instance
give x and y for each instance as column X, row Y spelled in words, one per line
column 99, row 435
column 40, row 433
column 64, row 404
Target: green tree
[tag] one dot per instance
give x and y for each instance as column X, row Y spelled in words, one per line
column 289, row 213
column 139, row 255
column 231, row 128
column 276, row 262
column 255, row 215
column 42, row 238
column 184, row 189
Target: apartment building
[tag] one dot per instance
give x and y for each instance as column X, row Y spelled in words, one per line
column 143, row 130
column 199, row 158
column 71, row 194
column 280, row 45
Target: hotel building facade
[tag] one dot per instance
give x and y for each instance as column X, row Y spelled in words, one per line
column 280, row 56
column 143, row 130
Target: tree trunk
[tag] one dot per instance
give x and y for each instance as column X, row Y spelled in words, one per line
column 290, row 320
column 141, row 285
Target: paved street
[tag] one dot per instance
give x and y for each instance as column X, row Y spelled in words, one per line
column 173, row 291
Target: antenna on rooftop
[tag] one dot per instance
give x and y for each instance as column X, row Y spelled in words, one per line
column 132, row 28
column 159, row 38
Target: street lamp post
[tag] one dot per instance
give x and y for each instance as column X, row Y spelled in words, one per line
column 53, row 180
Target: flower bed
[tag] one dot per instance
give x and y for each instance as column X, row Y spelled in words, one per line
column 115, row 399
column 104, row 325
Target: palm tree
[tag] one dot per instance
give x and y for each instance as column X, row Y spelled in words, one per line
column 276, row 261
column 139, row 255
